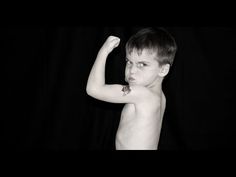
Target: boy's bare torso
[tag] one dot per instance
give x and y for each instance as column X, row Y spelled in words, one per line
column 140, row 124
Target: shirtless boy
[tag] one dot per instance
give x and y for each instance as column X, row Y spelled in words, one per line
column 149, row 55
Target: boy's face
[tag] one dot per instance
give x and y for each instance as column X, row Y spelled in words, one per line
column 142, row 69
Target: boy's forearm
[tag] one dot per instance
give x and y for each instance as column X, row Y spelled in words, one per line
column 97, row 74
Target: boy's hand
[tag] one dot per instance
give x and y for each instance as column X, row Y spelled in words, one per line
column 111, row 43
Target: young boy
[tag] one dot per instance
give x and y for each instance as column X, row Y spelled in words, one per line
column 149, row 55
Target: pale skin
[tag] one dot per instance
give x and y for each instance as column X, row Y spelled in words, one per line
column 141, row 118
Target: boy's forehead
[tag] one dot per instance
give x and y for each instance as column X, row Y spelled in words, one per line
column 144, row 55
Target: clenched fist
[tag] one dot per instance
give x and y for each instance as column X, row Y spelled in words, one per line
column 111, row 43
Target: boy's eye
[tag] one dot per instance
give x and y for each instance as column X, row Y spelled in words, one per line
column 128, row 62
column 141, row 65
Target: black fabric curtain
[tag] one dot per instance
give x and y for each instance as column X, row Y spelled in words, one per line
column 45, row 105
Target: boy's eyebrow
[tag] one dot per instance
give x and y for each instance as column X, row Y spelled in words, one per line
column 143, row 62
column 128, row 59
column 139, row 61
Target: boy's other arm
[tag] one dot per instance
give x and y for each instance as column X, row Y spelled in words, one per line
column 96, row 86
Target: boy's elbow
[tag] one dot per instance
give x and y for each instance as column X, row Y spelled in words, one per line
column 91, row 91
column 94, row 91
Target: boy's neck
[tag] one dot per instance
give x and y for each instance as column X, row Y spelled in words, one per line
column 156, row 86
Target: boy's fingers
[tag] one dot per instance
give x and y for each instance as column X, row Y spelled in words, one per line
column 114, row 38
column 117, row 42
column 113, row 41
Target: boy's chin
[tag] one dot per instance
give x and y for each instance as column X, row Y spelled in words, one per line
column 134, row 84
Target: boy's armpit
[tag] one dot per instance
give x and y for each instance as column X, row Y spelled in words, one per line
column 126, row 89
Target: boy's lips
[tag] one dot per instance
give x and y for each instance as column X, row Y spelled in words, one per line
column 131, row 79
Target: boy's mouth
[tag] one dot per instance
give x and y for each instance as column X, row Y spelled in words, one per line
column 131, row 79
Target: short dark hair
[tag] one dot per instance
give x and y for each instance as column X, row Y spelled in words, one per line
column 155, row 39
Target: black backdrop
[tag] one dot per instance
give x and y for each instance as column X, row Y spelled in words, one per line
column 45, row 105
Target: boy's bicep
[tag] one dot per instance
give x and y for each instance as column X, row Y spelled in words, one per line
column 119, row 93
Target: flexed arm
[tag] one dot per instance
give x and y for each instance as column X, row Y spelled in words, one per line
column 97, row 75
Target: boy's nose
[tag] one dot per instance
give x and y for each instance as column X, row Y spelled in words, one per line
column 133, row 69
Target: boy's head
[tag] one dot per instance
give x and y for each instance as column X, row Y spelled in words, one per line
column 158, row 41
column 150, row 53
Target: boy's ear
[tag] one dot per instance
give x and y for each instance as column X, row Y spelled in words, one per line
column 164, row 70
